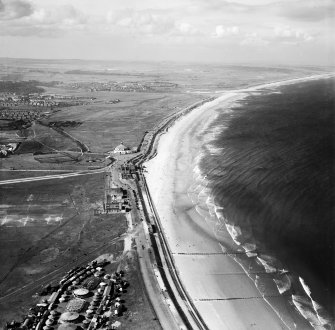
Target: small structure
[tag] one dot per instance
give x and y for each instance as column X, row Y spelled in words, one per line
column 67, row 326
column 91, row 283
column 68, row 317
column 116, row 325
column 75, row 305
column 81, row 293
column 115, row 200
column 115, row 194
column 121, row 149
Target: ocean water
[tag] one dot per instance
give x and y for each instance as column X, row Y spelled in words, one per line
column 265, row 175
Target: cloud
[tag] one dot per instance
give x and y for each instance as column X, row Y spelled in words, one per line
column 61, row 16
column 140, row 21
column 294, row 10
column 51, row 22
column 149, row 23
column 13, row 9
column 231, row 6
column 307, row 10
column 186, row 29
column 287, row 34
column 221, row 31
column 253, row 39
column 276, row 36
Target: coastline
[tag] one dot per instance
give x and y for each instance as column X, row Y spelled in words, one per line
column 221, row 291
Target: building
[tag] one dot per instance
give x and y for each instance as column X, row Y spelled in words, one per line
column 81, row 293
column 75, row 305
column 115, row 200
column 115, row 195
column 68, row 317
column 113, row 207
column 121, row 149
column 67, row 326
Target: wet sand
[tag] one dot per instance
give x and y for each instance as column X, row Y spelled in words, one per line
column 221, row 290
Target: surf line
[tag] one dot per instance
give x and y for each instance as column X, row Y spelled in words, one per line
column 240, row 298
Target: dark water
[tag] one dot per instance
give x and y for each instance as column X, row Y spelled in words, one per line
column 274, row 176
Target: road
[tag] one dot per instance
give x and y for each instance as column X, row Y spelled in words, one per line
column 154, row 285
column 51, row 177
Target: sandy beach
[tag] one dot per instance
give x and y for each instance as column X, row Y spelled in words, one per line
column 225, row 296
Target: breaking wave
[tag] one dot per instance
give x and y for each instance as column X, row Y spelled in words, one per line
column 244, row 187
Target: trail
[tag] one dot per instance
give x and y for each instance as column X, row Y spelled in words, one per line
column 52, row 177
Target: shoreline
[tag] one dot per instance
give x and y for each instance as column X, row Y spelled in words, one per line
column 164, row 187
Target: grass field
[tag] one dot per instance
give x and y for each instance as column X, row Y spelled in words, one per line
column 106, row 125
column 49, row 228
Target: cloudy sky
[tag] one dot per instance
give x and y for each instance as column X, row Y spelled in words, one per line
column 255, row 31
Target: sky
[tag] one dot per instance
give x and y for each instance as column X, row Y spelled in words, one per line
column 239, row 31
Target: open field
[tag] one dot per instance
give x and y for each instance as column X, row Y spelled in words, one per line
column 46, row 229
column 106, row 125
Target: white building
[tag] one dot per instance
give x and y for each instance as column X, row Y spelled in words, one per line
column 121, row 149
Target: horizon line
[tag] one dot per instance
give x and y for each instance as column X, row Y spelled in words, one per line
column 240, row 63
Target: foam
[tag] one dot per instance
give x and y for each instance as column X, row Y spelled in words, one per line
column 283, row 284
column 316, row 307
column 250, row 249
column 234, row 232
column 306, row 309
column 266, row 262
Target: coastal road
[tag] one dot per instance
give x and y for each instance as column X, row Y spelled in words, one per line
column 148, row 265
column 162, row 305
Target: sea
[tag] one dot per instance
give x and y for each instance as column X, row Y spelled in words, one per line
column 266, row 173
